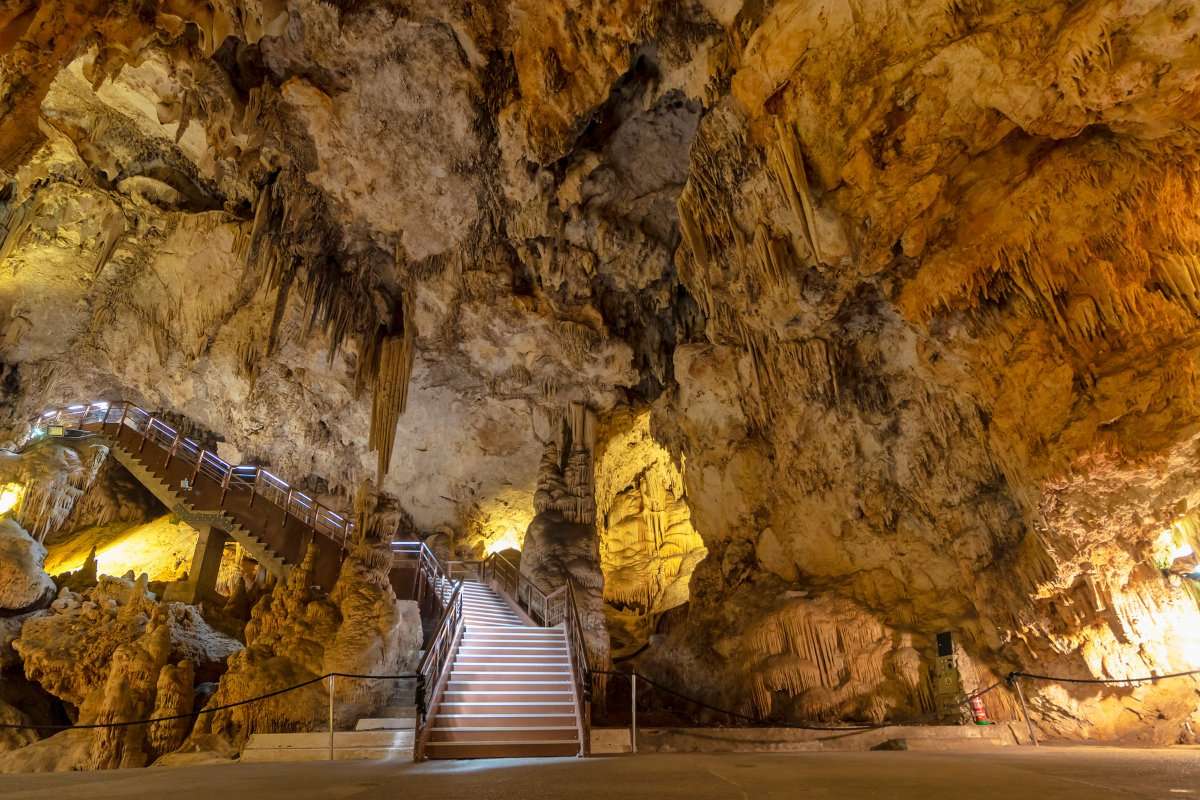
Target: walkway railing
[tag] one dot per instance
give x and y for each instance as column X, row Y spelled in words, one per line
column 246, row 477
column 434, row 669
column 431, row 576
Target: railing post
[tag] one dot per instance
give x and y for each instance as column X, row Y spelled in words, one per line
column 1025, row 711
column 196, row 469
column 633, row 712
column 287, row 504
column 171, row 451
column 225, row 485
column 254, row 486
column 146, row 432
column 121, row 424
column 83, row 419
column 332, row 685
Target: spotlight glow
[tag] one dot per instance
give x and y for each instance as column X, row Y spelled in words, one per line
column 509, row 540
column 10, row 497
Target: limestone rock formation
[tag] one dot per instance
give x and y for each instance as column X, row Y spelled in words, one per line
column 561, row 544
column 14, row 738
column 296, row 634
column 69, row 651
column 24, row 585
column 47, row 479
column 648, row 547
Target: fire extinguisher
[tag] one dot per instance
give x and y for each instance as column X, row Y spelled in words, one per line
column 978, row 712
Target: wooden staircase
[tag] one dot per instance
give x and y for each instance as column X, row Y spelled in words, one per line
column 274, row 522
column 260, row 550
column 509, row 691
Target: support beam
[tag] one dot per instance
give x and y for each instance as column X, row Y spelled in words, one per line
column 201, row 582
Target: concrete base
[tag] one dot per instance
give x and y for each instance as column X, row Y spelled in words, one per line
column 794, row 740
column 387, row 724
column 392, row 745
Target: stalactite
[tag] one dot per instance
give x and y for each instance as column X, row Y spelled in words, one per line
column 577, row 340
column 803, row 651
column 48, row 499
column 395, row 352
column 15, row 225
column 112, row 229
column 787, row 165
column 249, row 360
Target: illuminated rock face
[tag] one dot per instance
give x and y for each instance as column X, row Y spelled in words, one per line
column 294, row 635
column 114, row 654
column 24, row 585
column 648, row 547
column 907, row 289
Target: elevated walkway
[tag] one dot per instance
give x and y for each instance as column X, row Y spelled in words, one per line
column 272, row 521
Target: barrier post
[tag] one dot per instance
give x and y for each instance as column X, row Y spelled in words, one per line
column 633, row 713
column 332, row 684
column 1025, row 710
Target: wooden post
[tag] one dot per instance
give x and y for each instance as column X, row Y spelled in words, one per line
column 121, row 424
column 332, row 684
column 196, row 469
column 287, row 504
column 225, row 486
column 633, row 712
column 254, row 486
column 1025, row 711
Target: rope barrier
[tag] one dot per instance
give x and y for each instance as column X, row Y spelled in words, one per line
column 797, row 725
column 213, row 710
column 1145, row 679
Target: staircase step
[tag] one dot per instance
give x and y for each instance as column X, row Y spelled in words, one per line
column 489, row 616
column 568, row 733
column 508, row 697
column 493, row 685
column 472, row 650
column 513, row 630
column 501, row 749
column 511, row 658
column 481, row 708
column 504, row 720
column 527, row 669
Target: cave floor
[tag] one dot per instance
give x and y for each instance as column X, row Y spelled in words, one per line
column 1047, row 773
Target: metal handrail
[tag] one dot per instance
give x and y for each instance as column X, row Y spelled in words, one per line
column 435, row 666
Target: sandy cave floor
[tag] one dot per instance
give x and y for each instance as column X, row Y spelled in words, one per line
column 1047, row 773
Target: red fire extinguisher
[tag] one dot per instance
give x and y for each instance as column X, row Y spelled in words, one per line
column 978, row 712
